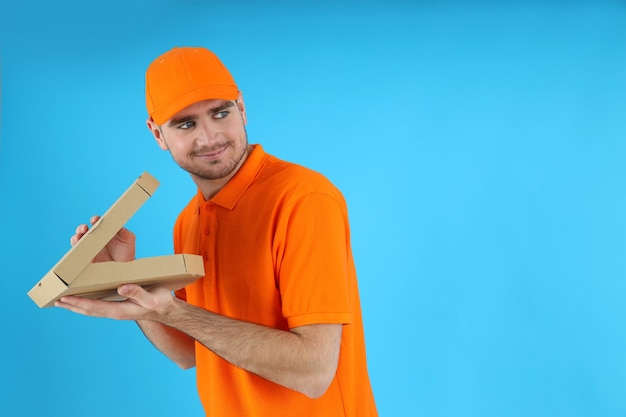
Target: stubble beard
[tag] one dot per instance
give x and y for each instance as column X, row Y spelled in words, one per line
column 212, row 172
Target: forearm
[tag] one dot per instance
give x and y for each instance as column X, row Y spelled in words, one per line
column 303, row 359
column 298, row 359
column 174, row 344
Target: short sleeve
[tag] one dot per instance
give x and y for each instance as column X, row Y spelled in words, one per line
column 314, row 262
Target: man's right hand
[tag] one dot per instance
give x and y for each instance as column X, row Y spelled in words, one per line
column 120, row 249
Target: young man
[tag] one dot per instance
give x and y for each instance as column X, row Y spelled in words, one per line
column 274, row 327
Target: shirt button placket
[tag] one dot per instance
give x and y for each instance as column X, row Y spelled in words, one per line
column 210, row 217
column 207, row 224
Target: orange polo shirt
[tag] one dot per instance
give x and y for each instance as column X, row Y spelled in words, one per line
column 276, row 248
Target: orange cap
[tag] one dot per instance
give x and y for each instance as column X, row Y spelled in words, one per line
column 183, row 76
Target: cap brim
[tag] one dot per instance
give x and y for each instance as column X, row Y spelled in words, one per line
column 214, row 92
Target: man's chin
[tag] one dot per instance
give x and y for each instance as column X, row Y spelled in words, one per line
column 210, row 175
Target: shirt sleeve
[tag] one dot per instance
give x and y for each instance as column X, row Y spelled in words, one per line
column 315, row 261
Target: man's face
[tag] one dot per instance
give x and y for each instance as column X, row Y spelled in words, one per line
column 207, row 139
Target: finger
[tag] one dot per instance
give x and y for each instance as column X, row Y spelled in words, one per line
column 103, row 309
column 94, row 219
column 84, row 306
column 81, row 229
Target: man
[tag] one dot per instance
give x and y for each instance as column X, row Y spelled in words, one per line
column 274, row 327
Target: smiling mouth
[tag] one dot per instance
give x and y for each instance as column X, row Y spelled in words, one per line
column 212, row 153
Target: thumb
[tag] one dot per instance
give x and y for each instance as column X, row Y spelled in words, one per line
column 155, row 302
column 125, row 235
column 131, row 291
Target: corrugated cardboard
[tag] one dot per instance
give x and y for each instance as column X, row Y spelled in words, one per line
column 75, row 274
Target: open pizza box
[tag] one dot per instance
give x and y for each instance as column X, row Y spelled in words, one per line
column 76, row 274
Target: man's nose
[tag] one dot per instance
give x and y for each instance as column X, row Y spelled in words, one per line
column 207, row 132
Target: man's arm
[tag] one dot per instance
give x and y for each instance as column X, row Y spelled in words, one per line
column 174, row 344
column 303, row 359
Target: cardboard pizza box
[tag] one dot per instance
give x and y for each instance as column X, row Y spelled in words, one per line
column 75, row 274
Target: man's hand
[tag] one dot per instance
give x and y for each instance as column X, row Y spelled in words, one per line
column 121, row 248
column 139, row 305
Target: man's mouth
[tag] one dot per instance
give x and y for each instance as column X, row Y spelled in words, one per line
column 212, row 153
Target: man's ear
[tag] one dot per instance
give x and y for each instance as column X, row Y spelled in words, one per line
column 156, row 132
column 242, row 108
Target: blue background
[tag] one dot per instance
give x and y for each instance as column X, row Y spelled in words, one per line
column 481, row 147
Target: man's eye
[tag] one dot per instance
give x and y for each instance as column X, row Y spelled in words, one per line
column 221, row 114
column 186, row 125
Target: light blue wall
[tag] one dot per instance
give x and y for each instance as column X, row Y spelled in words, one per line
column 481, row 149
